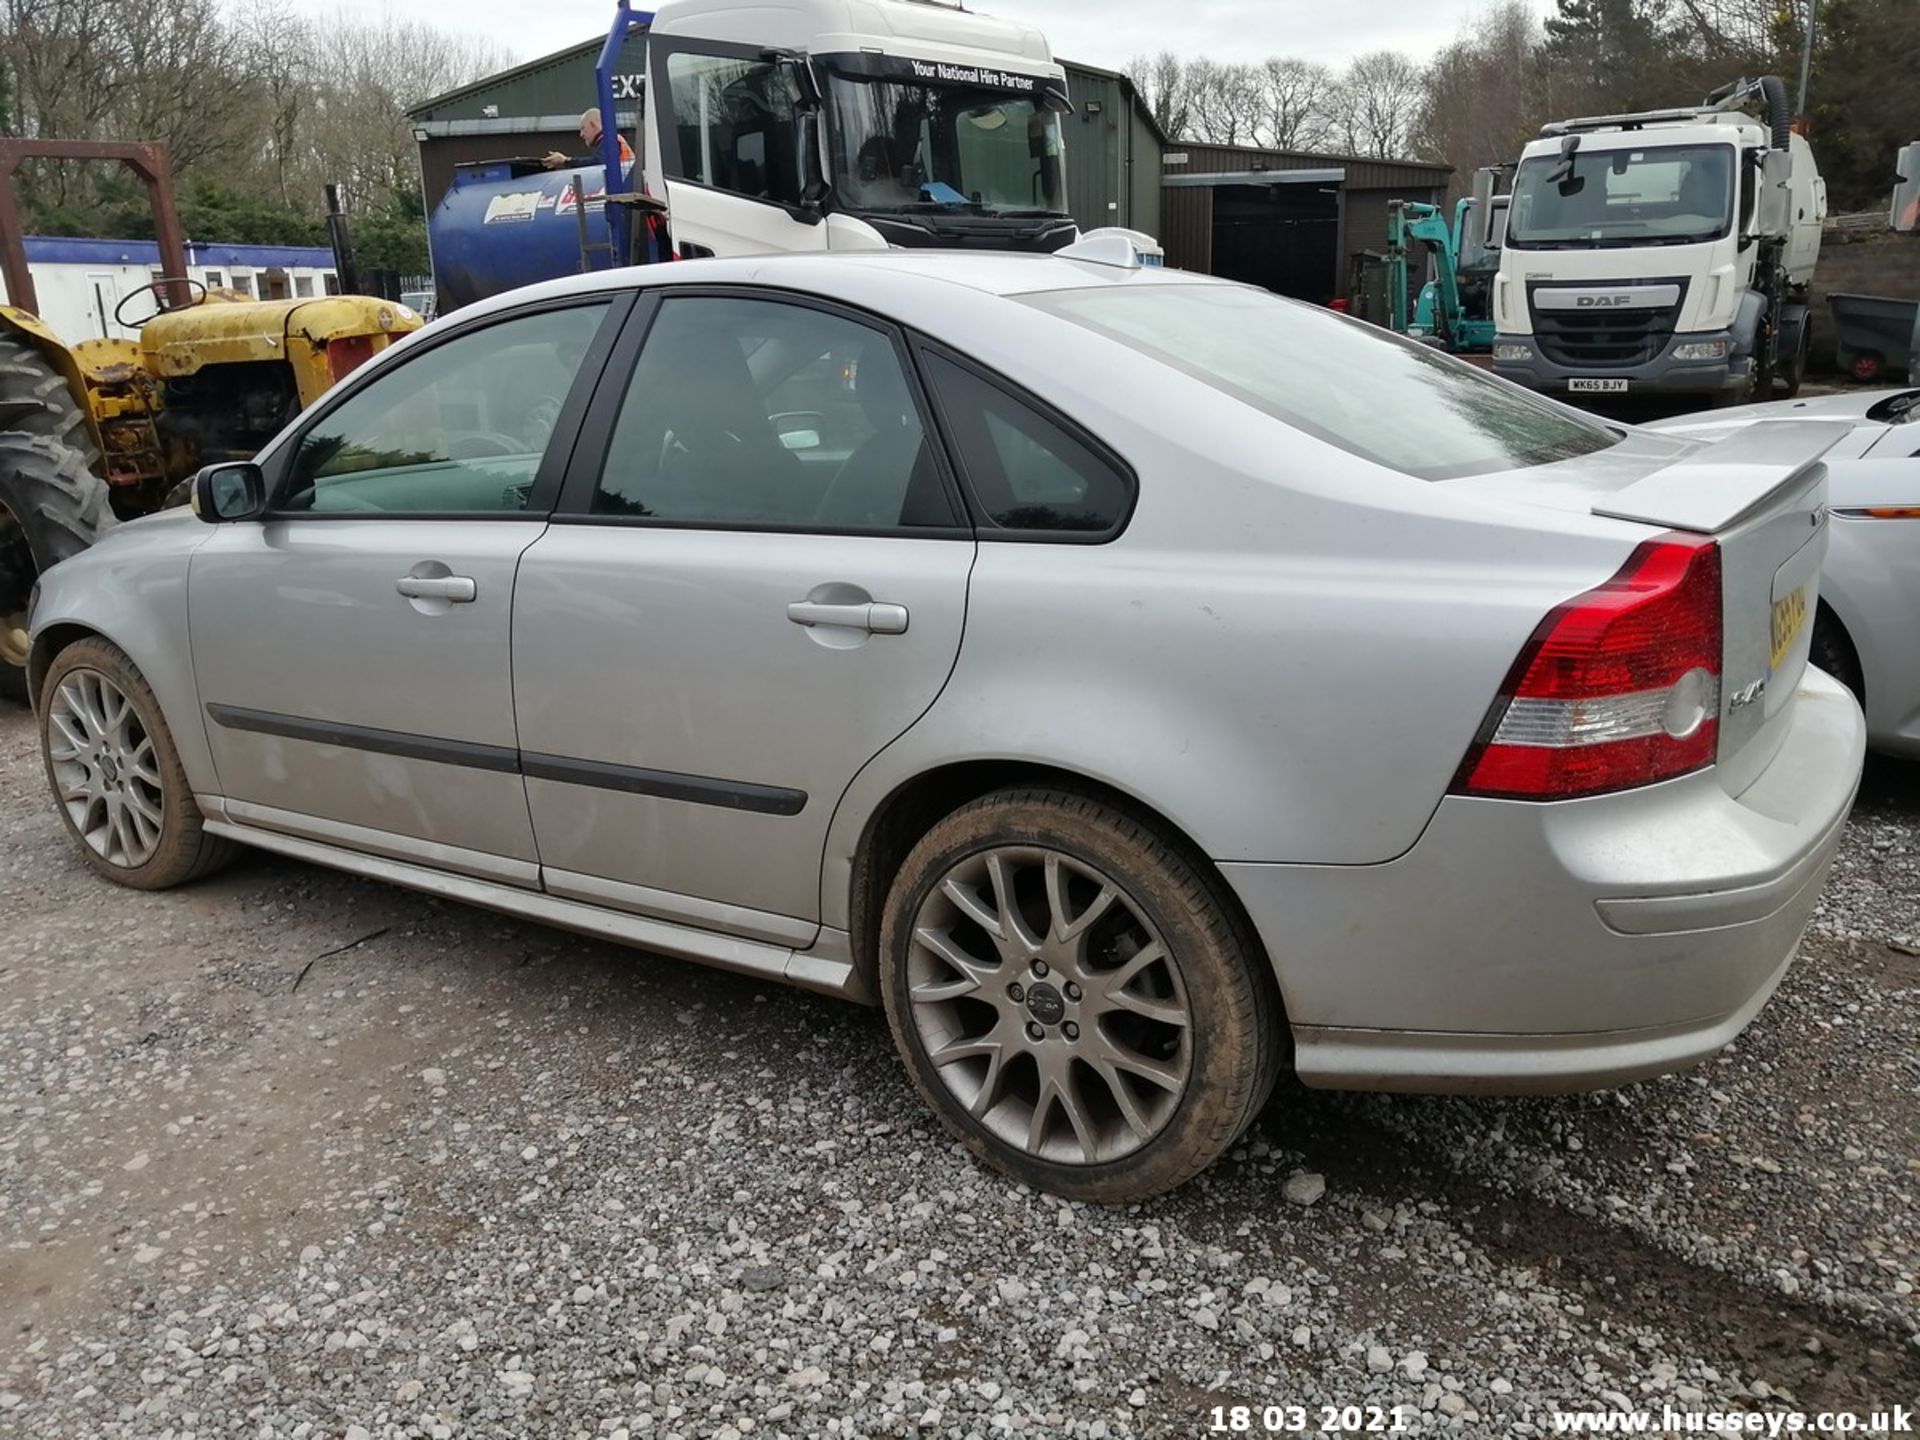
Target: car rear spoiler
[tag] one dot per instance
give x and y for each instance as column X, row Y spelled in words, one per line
column 1717, row 485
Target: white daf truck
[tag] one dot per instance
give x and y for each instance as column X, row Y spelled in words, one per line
column 853, row 125
column 1666, row 252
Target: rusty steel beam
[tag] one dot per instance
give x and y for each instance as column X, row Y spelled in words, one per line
column 146, row 159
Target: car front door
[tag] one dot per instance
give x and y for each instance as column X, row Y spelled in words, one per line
column 756, row 580
column 351, row 650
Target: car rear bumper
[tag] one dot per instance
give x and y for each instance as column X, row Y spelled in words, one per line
column 1533, row 947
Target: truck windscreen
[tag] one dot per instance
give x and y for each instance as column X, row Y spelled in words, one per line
column 900, row 145
column 1668, row 195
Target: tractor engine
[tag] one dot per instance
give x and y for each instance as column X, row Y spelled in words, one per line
column 227, row 412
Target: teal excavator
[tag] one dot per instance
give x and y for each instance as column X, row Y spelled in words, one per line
column 1454, row 308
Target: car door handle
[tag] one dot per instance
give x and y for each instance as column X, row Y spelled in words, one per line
column 873, row 616
column 457, row 588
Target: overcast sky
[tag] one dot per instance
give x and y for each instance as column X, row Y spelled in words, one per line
column 1096, row 32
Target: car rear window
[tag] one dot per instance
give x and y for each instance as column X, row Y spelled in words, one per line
column 1353, row 385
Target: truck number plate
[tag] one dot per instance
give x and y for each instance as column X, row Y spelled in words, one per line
column 1606, row 386
column 1789, row 617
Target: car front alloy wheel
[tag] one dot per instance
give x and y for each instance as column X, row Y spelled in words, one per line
column 106, row 775
column 115, row 774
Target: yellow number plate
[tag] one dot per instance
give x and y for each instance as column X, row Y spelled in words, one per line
column 1789, row 617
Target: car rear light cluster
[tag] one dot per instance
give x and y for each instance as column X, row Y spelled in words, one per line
column 1617, row 687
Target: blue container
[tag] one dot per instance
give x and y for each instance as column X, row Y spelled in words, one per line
column 506, row 223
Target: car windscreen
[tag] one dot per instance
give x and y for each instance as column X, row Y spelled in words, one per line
column 1671, row 195
column 1353, row 385
column 903, row 146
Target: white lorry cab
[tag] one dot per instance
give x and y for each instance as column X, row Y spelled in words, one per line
column 853, row 125
column 1663, row 252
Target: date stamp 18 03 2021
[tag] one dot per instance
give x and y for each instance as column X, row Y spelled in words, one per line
column 1344, row 1420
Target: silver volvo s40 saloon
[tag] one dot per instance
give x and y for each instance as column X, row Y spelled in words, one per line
column 1136, row 683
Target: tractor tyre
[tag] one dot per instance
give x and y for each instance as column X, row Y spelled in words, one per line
column 52, row 506
column 28, row 378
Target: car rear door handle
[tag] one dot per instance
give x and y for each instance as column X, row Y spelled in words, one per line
column 457, row 588
column 873, row 616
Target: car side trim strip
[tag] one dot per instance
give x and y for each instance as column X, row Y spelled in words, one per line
column 597, row 774
column 665, row 784
column 364, row 737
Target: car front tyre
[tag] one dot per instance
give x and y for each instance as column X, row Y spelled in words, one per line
column 1075, row 997
column 115, row 774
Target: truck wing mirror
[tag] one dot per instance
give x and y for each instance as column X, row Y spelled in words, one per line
column 1773, row 215
column 815, row 189
column 806, row 78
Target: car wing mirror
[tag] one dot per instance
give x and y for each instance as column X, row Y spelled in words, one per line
column 225, row 493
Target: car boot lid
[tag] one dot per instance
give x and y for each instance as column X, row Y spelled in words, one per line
column 1717, row 485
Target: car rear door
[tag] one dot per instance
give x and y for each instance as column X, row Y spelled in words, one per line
column 756, row 580
column 351, row 650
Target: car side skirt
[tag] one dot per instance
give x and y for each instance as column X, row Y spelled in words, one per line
column 826, row 967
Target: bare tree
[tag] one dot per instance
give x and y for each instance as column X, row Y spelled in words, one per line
column 1294, row 99
column 1162, row 82
column 276, row 38
column 1376, row 104
column 165, row 70
column 1487, row 94
column 256, row 100
column 1225, row 102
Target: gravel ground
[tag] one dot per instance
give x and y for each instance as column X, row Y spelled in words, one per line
column 292, row 1154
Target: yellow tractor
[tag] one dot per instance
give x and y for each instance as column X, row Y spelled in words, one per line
column 108, row 429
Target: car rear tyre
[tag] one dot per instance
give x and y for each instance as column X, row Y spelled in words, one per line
column 115, row 773
column 1075, row 997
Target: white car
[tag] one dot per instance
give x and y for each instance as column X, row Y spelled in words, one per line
column 1865, row 631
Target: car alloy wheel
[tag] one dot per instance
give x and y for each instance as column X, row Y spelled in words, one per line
column 1049, row 1005
column 106, row 772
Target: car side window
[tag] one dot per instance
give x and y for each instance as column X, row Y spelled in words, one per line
column 1026, row 471
column 461, row 427
column 749, row 412
column 735, row 123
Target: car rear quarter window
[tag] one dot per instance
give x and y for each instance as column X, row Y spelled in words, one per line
column 1351, row 384
column 1028, row 474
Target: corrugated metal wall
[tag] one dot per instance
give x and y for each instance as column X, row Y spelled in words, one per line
column 1143, row 173
column 1113, row 153
column 1186, row 219
column 556, row 84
